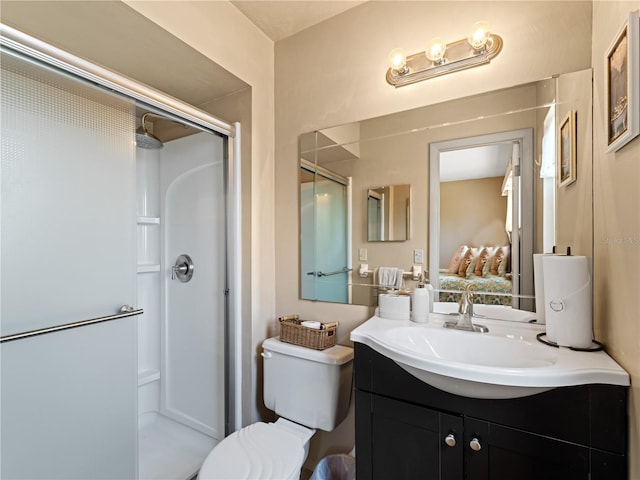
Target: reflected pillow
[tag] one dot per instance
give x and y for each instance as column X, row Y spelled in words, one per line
column 454, row 264
column 487, row 266
column 483, row 256
column 497, row 259
column 464, row 263
column 475, row 252
column 504, row 264
column 471, row 269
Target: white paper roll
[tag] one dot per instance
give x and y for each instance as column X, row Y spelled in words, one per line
column 394, row 307
column 567, row 296
column 420, row 305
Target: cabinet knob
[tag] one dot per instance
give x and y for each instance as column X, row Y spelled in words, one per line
column 475, row 444
column 450, row 440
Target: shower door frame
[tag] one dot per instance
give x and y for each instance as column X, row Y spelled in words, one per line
column 144, row 95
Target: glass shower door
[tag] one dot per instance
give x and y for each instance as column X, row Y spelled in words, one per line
column 331, row 241
column 68, row 254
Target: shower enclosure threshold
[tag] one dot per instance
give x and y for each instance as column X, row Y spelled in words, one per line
column 169, row 449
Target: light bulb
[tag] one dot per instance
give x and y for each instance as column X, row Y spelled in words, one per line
column 398, row 60
column 435, row 50
column 479, row 35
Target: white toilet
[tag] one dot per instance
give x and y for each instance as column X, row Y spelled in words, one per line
column 308, row 389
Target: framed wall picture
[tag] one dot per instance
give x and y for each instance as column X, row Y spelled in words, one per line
column 622, row 79
column 567, row 150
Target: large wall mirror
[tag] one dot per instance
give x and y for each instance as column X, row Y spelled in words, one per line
column 479, row 182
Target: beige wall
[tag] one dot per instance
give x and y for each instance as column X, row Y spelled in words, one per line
column 574, row 221
column 472, row 213
column 616, row 209
column 333, row 73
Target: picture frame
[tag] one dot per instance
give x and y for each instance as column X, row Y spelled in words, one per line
column 622, row 91
column 567, row 150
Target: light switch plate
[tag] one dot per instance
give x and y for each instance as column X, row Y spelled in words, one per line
column 362, row 254
column 418, row 256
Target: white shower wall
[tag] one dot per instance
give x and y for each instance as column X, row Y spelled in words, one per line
column 148, row 211
column 181, row 210
column 193, row 205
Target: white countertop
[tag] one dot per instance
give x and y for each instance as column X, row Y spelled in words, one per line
column 506, row 362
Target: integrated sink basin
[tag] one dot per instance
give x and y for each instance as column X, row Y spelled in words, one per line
column 454, row 347
column 506, row 362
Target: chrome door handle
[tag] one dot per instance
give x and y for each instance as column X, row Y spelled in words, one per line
column 126, row 309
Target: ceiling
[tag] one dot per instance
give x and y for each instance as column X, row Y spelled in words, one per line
column 144, row 51
column 141, row 49
column 476, row 162
column 281, row 19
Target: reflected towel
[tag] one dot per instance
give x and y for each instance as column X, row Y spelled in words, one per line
column 390, row 277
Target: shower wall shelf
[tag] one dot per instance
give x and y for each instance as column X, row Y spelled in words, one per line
column 148, row 376
column 148, row 268
column 148, row 220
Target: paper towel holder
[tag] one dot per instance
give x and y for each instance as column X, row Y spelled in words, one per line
column 595, row 347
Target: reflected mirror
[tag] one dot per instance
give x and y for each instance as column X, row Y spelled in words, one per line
column 481, row 172
column 478, row 187
column 388, row 213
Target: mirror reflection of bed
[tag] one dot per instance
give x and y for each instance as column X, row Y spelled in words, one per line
column 476, row 223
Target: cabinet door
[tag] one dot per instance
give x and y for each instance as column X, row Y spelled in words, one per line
column 408, row 442
column 502, row 453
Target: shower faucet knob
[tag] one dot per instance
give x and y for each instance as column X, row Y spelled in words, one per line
column 183, row 269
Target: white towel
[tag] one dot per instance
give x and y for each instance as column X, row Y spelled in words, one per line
column 390, row 277
column 311, row 324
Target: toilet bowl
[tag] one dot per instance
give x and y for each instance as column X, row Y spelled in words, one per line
column 309, row 390
column 261, row 450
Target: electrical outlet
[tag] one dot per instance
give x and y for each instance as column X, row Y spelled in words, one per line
column 418, row 256
column 362, row 254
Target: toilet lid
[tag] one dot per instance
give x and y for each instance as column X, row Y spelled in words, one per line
column 258, row 451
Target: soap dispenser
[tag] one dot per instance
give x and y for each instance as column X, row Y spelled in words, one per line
column 421, row 301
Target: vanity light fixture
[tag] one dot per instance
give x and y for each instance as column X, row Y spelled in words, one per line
column 440, row 58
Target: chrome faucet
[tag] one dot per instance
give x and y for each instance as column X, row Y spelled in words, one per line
column 465, row 310
column 465, row 314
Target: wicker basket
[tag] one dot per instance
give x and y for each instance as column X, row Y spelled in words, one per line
column 291, row 331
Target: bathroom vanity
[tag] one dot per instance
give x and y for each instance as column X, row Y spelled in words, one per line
column 408, row 429
column 470, row 428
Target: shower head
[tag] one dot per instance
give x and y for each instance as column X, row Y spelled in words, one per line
column 144, row 139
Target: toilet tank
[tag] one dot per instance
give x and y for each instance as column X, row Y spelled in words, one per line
column 309, row 387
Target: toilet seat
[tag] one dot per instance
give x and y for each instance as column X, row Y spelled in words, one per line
column 258, row 451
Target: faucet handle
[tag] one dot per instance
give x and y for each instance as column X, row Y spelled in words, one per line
column 468, row 290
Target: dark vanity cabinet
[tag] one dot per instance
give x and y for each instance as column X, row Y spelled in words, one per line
column 406, row 429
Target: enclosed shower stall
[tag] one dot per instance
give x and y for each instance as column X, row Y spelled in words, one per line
column 181, row 284
column 118, row 273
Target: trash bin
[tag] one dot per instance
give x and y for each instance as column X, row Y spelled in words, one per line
column 335, row 467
